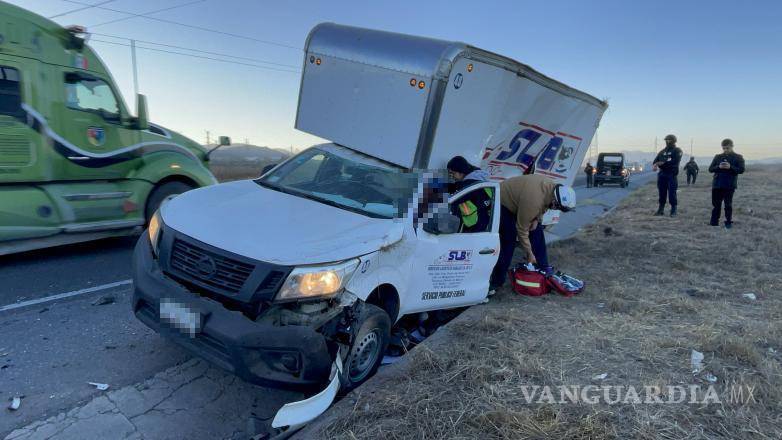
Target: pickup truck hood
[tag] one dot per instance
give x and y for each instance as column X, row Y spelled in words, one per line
column 267, row 225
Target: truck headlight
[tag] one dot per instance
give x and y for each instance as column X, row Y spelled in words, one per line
column 317, row 281
column 153, row 231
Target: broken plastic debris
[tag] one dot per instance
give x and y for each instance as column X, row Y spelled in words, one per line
column 103, row 300
column 710, row 378
column 15, row 404
column 600, row 376
column 100, row 386
column 696, row 359
column 771, row 350
column 750, row 296
column 387, row 360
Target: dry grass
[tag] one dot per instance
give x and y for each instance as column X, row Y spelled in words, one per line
column 657, row 289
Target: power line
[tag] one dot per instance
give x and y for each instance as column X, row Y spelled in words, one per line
column 201, row 28
column 80, row 9
column 144, row 14
column 255, row 60
column 197, row 56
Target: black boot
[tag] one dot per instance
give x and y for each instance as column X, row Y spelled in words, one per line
column 660, row 210
column 673, row 211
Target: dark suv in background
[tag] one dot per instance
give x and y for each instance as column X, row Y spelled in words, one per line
column 611, row 169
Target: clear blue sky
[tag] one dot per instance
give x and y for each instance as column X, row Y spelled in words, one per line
column 700, row 69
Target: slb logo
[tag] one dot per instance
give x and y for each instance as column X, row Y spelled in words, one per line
column 460, row 256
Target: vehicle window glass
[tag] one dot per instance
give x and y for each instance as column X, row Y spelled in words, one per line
column 10, row 93
column 91, row 94
column 344, row 182
column 612, row 159
column 475, row 210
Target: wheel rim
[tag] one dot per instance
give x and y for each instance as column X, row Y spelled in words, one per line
column 365, row 355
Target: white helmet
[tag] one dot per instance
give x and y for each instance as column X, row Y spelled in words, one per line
column 565, row 198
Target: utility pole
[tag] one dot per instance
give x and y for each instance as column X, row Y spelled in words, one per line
column 691, row 141
column 135, row 67
column 208, row 139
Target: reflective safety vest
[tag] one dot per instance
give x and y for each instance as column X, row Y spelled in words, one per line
column 469, row 212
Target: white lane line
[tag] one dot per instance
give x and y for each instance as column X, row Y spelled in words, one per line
column 33, row 302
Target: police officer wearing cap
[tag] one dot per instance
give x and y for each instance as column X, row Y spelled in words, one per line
column 726, row 168
column 524, row 200
column 667, row 163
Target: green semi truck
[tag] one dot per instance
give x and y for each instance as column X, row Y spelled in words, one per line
column 74, row 164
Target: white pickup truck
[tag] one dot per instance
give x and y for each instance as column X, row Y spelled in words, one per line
column 296, row 278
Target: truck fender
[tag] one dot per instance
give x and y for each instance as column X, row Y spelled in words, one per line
column 377, row 284
column 169, row 165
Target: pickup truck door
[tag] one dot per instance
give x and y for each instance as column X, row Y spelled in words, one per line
column 453, row 270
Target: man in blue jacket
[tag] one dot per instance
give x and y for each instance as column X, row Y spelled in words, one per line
column 667, row 162
column 726, row 168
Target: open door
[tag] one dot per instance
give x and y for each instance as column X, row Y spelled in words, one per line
column 453, row 269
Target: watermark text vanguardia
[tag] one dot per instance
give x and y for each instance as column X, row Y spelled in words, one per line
column 636, row 395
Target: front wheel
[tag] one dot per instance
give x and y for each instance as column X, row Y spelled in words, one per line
column 368, row 348
column 162, row 193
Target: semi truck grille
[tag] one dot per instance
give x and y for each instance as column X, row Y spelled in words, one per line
column 15, row 151
column 204, row 267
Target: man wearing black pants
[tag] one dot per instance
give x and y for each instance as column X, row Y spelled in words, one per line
column 524, row 200
column 590, row 175
column 692, row 171
column 726, row 168
column 667, row 162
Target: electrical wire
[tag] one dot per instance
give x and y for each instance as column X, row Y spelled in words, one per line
column 197, row 56
column 201, row 28
column 144, row 15
column 80, row 9
column 255, row 60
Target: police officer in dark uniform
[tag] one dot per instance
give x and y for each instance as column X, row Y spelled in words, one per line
column 667, row 162
column 590, row 172
column 692, row 171
column 726, row 168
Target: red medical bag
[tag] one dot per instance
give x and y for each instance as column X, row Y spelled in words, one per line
column 529, row 282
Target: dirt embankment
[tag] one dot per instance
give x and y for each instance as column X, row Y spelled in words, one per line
column 658, row 288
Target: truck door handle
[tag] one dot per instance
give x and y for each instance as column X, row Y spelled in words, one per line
column 486, row 251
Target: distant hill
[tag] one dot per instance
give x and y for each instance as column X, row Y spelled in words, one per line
column 248, row 154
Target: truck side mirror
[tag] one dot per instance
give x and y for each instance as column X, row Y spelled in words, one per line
column 222, row 141
column 442, row 223
column 142, row 119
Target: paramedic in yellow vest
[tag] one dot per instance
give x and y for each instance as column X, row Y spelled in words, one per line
column 474, row 210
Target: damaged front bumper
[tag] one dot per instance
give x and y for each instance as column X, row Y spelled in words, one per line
column 292, row 356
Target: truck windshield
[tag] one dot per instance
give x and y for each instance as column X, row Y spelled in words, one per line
column 345, row 179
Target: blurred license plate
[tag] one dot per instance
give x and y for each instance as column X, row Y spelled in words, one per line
column 180, row 316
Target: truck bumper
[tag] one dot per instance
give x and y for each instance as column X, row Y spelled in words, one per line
column 611, row 179
column 292, row 357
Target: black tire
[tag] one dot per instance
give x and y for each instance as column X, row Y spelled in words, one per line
column 368, row 348
column 160, row 193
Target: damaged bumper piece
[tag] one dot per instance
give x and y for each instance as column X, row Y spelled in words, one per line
column 292, row 356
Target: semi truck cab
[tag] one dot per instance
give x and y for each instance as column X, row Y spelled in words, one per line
column 75, row 165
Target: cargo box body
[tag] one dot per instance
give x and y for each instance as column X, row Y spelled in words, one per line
column 416, row 102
